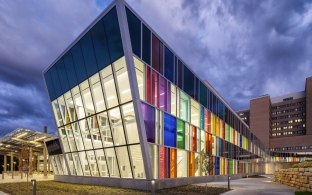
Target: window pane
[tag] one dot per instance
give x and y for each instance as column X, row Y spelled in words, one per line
column 85, row 134
column 122, row 80
column 155, row 88
column 123, row 160
column 87, row 98
column 70, row 138
column 78, row 103
column 77, row 164
column 180, row 134
column 113, row 34
column 112, row 162
column 92, row 162
column 162, row 93
column 101, row 163
column 88, row 54
column 71, row 164
column 130, row 123
column 78, row 137
column 64, row 140
column 70, row 106
column 57, row 113
column 181, row 163
column 170, row 130
column 155, row 53
column 109, row 87
column 100, row 45
column 137, row 161
column 169, row 65
column 139, row 70
column 195, row 114
column 184, row 107
column 135, row 32
column 94, row 131
column 146, row 51
column 77, row 59
column 188, row 82
column 173, row 100
column 153, row 151
column 148, row 113
column 97, row 93
column 63, row 110
column 173, row 163
column 117, row 126
column 84, row 163
column 148, row 85
column 105, row 129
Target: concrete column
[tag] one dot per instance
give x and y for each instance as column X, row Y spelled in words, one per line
column 12, row 165
column 49, row 165
column 5, row 164
column 44, row 161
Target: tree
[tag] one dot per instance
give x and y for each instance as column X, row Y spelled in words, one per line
column 207, row 163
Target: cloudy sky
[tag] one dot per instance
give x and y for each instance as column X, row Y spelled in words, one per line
column 243, row 48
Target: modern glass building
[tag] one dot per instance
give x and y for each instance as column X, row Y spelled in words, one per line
column 129, row 110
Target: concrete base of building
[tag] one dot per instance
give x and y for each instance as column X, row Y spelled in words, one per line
column 147, row 185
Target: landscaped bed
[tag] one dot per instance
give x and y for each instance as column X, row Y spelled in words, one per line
column 59, row 188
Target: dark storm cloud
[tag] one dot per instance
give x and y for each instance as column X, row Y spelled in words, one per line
column 33, row 34
column 243, row 48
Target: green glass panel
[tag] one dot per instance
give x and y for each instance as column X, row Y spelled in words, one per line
column 180, row 134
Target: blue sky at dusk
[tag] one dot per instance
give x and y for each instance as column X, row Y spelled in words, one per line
column 244, row 48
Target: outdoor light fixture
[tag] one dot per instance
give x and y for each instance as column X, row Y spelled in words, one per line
column 21, row 135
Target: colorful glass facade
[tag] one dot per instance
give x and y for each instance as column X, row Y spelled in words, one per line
column 127, row 106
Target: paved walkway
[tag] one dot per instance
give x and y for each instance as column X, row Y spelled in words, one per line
column 255, row 186
column 17, row 178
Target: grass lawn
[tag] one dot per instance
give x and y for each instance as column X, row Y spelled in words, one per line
column 59, row 188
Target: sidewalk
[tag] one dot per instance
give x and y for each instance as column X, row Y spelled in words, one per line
column 17, row 178
column 254, row 186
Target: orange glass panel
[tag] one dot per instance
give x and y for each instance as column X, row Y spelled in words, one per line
column 191, row 164
column 173, row 163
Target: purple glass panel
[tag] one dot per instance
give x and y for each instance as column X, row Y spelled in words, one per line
column 162, row 93
column 148, row 113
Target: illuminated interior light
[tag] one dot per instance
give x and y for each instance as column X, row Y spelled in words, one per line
column 21, row 135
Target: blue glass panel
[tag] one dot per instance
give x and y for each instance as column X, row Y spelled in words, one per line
column 135, row 32
column 169, row 64
column 146, row 44
column 56, row 81
column 217, row 165
column 88, row 54
column 180, row 74
column 78, row 60
column 100, row 45
column 70, row 69
column 62, row 75
column 49, row 84
column 170, row 130
column 196, row 90
column 113, row 35
column 148, row 113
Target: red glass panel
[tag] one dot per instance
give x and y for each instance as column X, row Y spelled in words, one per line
column 194, row 141
column 206, row 120
column 155, row 52
column 162, row 165
column 155, row 88
column 223, row 129
column 148, row 85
